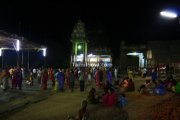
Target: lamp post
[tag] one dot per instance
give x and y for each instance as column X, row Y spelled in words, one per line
column 22, row 59
column 170, row 15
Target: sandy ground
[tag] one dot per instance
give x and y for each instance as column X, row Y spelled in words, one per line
column 60, row 105
column 138, row 104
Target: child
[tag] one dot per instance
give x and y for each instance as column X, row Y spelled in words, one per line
column 122, row 100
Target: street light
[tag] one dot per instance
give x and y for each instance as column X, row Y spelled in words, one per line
column 17, row 45
column 133, row 54
column 44, row 52
column 17, row 49
column 168, row 14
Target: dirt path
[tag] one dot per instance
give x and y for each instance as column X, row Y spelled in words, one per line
column 138, row 104
column 56, row 107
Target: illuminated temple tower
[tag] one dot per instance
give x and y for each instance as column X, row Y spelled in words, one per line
column 79, row 45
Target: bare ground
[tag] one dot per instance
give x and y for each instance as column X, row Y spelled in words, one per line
column 60, row 105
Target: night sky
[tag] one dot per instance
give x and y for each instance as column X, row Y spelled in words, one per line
column 51, row 22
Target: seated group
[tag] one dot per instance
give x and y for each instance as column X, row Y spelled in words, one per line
column 170, row 84
column 127, row 84
column 109, row 97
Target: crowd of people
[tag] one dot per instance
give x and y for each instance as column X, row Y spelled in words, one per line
column 60, row 78
column 105, row 79
column 13, row 74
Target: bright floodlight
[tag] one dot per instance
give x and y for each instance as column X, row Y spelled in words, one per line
column 133, row 54
column 17, row 45
column 44, row 52
column 0, row 52
column 168, row 14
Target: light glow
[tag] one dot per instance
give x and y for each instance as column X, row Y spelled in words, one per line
column 93, row 60
column 134, row 54
column 79, row 58
column 168, row 14
column 106, row 59
column 79, row 47
column 91, row 55
column 44, row 52
column 17, row 45
column 0, row 51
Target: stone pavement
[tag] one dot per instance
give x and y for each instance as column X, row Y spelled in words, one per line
column 15, row 98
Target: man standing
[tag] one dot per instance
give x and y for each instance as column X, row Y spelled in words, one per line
column 44, row 79
column 81, row 80
column 154, row 76
column 60, row 78
column 144, row 73
column 34, row 73
column 72, row 80
column 19, row 78
column 115, row 73
column 109, row 77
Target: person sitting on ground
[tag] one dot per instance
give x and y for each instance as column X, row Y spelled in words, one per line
column 177, row 88
column 160, row 88
column 92, row 98
column 166, row 82
column 171, row 83
column 30, row 80
column 105, row 89
column 83, row 113
column 124, row 83
column 109, row 99
column 71, row 118
column 145, row 87
column 122, row 100
column 130, row 86
column 174, row 82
